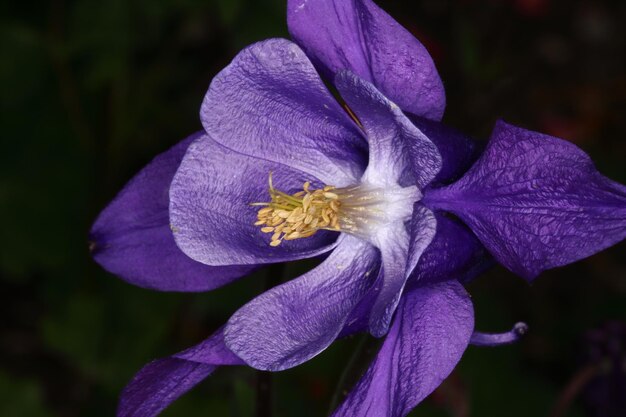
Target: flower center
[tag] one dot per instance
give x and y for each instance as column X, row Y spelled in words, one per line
column 357, row 210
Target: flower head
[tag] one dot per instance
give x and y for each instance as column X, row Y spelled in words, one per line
column 367, row 186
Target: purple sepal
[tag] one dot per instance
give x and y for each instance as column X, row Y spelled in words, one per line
column 536, row 202
column 162, row 381
column 430, row 332
column 159, row 384
column 295, row 321
column 499, row 339
column 358, row 36
column 132, row 238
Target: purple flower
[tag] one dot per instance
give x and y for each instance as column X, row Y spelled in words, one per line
column 282, row 172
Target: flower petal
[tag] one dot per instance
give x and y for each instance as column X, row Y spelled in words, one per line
column 427, row 339
column 396, row 146
column 159, row 384
column 295, row 321
column 358, row 36
column 211, row 215
column 458, row 152
column 132, row 238
column 162, row 381
column 270, row 103
column 423, row 227
column 536, row 202
column 400, row 252
column 454, row 252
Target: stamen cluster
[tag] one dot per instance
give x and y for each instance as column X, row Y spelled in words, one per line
column 298, row 215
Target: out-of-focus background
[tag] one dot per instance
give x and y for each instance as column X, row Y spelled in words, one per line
column 92, row 90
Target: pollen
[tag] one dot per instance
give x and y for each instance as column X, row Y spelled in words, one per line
column 298, row 215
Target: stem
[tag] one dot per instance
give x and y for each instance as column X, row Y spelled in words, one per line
column 347, row 372
column 274, row 276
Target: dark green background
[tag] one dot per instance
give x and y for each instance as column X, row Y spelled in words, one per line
column 92, row 90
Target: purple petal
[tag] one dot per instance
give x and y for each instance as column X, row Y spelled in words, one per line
column 429, row 334
column 400, row 252
column 458, row 152
column 396, row 146
column 295, row 321
column 132, row 238
column 211, row 215
column 536, row 202
column 423, row 228
column 358, row 36
column 211, row 351
column 270, row 103
column 454, row 252
column 161, row 382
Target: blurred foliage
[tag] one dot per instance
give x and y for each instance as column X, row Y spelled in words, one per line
column 92, row 90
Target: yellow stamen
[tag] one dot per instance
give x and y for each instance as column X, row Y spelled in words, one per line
column 299, row 215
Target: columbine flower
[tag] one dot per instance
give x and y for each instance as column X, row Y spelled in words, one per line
column 283, row 172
